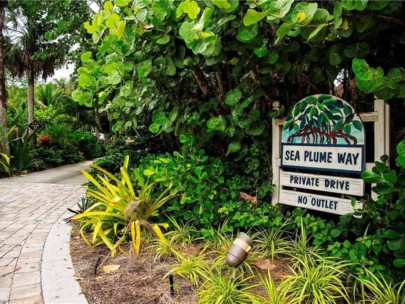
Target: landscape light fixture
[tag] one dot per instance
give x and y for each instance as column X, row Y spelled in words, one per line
column 238, row 252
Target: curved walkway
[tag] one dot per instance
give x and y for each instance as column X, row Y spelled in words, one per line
column 35, row 264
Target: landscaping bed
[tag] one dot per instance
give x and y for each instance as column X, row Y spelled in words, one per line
column 142, row 278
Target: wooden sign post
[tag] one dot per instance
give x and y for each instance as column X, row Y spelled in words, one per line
column 322, row 156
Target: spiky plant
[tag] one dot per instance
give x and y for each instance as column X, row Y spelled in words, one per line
column 191, row 267
column 164, row 248
column 316, row 284
column 270, row 242
column 376, row 290
column 273, row 295
column 300, row 250
column 182, row 233
column 221, row 289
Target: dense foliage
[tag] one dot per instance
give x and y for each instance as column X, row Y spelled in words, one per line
column 212, row 68
column 66, row 136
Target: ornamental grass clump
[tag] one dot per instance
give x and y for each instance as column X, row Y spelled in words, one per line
column 376, row 290
column 122, row 209
column 220, row 288
column 273, row 295
column 270, row 242
column 191, row 267
column 300, row 251
column 319, row 284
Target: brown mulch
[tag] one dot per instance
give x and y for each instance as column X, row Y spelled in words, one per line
column 140, row 279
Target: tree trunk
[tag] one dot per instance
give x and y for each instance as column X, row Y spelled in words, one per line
column 31, row 84
column 98, row 125
column 3, row 93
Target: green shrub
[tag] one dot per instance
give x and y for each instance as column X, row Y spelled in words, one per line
column 23, row 157
column 207, row 196
column 87, row 144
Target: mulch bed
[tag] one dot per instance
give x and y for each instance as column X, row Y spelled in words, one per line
column 139, row 279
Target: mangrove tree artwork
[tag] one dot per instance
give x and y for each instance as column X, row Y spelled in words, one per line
column 323, row 119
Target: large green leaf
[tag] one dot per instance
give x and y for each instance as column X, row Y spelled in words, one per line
column 233, row 96
column 359, row 49
column 371, row 177
column 159, row 117
column 247, row 33
column 154, row 128
column 256, row 128
column 186, row 32
column 144, row 68
column 401, row 148
column 216, row 124
column 303, row 12
column 393, row 78
column 336, row 55
column 86, row 56
column 76, row 94
column 222, row 4
column 84, row 80
column 283, row 30
column 233, row 147
column 354, row 4
column 316, row 31
column 191, row 8
column 278, row 9
column 253, row 17
column 337, row 14
column 361, row 69
column 163, row 40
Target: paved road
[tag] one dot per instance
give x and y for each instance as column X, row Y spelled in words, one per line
column 35, row 264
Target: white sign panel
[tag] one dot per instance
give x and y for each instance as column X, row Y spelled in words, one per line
column 331, row 184
column 318, row 202
column 335, row 158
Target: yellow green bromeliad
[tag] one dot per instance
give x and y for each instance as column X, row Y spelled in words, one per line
column 121, row 210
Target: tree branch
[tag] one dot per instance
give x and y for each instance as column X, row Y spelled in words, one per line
column 201, row 81
column 221, row 91
column 391, row 20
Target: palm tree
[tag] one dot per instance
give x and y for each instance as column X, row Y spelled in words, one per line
column 3, row 94
column 22, row 57
column 40, row 34
column 49, row 94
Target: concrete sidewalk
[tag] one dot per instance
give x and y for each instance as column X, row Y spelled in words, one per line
column 69, row 175
column 35, row 264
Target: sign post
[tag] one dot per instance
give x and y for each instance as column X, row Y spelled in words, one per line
column 322, row 156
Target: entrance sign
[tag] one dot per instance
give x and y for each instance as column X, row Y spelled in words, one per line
column 340, row 158
column 322, row 134
column 340, row 185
